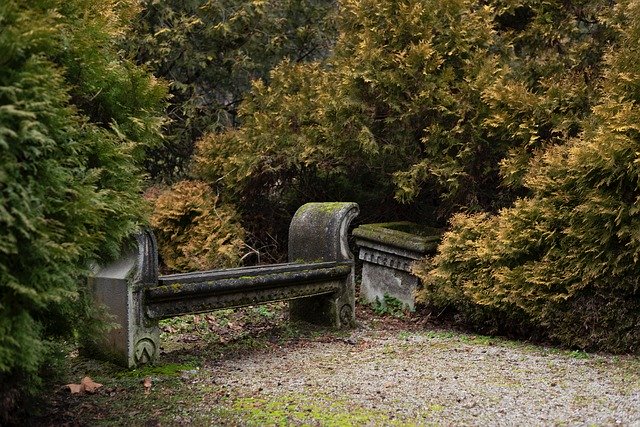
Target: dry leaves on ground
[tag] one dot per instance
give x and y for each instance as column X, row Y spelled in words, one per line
column 147, row 383
column 86, row 385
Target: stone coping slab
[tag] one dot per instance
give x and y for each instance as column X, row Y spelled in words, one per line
column 401, row 234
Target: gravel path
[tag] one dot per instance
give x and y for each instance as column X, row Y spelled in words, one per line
column 384, row 377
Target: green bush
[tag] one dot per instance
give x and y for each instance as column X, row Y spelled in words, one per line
column 193, row 231
column 75, row 121
column 396, row 90
column 565, row 259
column 347, row 127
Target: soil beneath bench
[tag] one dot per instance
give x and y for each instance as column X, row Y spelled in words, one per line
column 252, row 367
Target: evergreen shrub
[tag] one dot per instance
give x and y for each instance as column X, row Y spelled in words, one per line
column 75, row 120
column 564, row 259
column 400, row 94
column 347, row 127
column 210, row 51
column 423, row 109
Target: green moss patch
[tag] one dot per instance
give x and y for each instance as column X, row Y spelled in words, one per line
column 164, row 370
column 318, row 409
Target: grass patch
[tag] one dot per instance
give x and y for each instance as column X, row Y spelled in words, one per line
column 390, row 306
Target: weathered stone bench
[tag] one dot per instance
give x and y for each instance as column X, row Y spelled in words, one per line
column 387, row 251
column 318, row 281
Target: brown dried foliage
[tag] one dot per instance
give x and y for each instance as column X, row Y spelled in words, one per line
column 194, row 231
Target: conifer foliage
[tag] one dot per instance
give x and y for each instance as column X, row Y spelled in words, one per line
column 398, row 102
column 566, row 258
column 75, row 120
column 522, row 111
column 195, row 231
column 210, row 51
column 437, row 103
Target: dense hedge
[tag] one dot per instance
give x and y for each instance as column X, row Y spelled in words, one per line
column 564, row 260
column 210, row 51
column 435, row 104
column 75, row 120
column 510, row 106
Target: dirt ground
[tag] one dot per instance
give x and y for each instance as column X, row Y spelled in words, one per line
column 253, row 367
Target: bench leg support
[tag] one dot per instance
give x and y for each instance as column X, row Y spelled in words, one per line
column 119, row 289
column 318, row 232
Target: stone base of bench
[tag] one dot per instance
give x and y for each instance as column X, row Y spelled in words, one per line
column 380, row 281
column 387, row 251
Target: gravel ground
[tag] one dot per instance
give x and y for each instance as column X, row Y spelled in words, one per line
column 433, row 378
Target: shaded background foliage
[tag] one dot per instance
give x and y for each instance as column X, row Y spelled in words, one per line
column 210, row 51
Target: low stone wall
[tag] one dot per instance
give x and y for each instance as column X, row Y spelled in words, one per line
column 388, row 251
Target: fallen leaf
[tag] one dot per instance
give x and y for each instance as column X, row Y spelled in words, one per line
column 168, row 329
column 89, row 385
column 75, row 388
column 147, row 385
column 86, row 385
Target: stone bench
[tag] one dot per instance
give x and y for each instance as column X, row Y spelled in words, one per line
column 318, row 282
column 387, row 251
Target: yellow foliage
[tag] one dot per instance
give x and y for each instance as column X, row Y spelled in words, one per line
column 564, row 260
column 194, row 231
